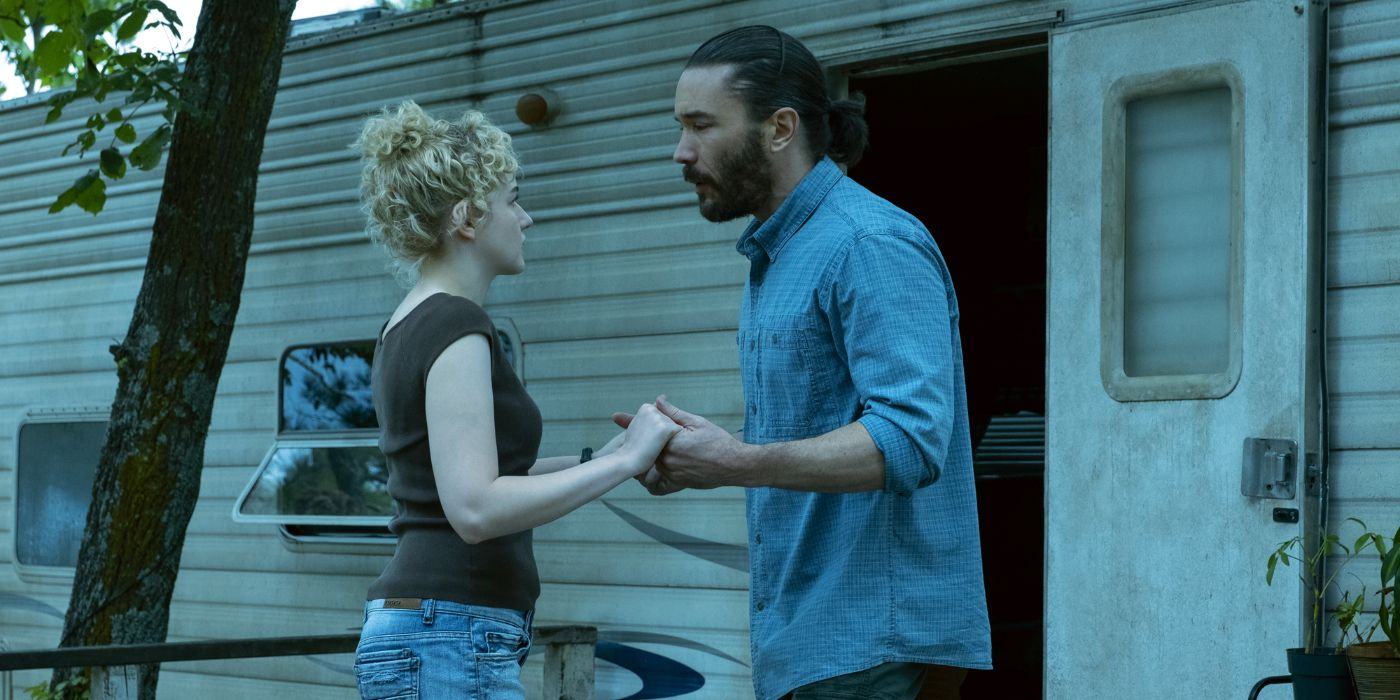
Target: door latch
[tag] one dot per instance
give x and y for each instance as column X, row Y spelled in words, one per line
column 1269, row 467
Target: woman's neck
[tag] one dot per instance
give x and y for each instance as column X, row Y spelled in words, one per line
column 462, row 279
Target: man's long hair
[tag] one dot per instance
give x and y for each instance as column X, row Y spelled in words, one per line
column 773, row 70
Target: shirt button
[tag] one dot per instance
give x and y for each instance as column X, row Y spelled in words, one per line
column 758, row 539
column 759, row 605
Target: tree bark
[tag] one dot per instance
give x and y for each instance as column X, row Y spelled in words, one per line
column 169, row 364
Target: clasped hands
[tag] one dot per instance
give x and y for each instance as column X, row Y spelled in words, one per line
column 701, row 455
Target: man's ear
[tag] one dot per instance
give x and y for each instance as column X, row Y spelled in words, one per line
column 462, row 221
column 781, row 129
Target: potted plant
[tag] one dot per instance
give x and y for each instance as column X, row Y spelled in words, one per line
column 1375, row 666
column 1321, row 672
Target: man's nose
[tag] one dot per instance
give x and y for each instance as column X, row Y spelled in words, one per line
column 685, row 153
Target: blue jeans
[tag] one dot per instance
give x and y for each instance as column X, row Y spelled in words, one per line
column 427, row 649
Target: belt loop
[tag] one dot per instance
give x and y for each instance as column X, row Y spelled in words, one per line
column 428, row 612
column 529, row 622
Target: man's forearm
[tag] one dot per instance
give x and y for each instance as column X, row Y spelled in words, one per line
column 841, row 461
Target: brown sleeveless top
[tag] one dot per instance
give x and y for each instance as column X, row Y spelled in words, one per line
column 431, row 561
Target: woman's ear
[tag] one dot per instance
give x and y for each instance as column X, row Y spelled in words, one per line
column 462, row 221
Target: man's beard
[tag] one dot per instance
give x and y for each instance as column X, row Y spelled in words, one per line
column 745, row 181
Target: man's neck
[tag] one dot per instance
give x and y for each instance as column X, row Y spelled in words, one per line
column 786, row 178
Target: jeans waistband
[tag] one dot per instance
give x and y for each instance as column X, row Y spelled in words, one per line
column 433, row 606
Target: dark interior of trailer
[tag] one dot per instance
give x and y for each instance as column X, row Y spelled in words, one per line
column 963, row 148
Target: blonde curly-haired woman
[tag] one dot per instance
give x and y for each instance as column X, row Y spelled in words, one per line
column 450, row 616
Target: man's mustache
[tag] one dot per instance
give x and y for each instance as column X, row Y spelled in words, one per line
column 694, row 177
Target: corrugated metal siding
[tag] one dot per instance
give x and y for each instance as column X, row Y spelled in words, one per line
column 1363, row 222
column 628, row 293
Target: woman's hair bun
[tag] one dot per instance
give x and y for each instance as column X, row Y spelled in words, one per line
column 399, row 131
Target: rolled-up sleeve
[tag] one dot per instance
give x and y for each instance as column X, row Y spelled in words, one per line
column 889, row 309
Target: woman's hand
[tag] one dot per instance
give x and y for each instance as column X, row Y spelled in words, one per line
column 646, row 436
column 612, row 445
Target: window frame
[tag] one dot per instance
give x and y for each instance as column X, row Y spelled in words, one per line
column 339, row 542
column 320, row 439
column 1116, row 382
column 83, row 413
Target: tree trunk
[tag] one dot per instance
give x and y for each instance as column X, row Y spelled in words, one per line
column 168, row 366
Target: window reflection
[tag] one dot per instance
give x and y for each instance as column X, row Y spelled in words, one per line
column 322, row 481
column 326, row 387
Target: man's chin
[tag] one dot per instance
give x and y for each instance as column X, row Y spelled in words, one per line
column 715, row 213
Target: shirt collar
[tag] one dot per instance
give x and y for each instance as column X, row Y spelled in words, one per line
column 769, row 236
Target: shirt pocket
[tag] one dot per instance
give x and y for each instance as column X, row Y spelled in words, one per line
column 795, row 379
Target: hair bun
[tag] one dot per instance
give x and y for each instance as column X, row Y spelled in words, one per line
column 399, row 131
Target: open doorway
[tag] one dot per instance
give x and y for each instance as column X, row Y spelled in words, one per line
column 963, row 148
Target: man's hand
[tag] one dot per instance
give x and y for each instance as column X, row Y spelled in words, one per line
column 701, row 456
column 655, row 484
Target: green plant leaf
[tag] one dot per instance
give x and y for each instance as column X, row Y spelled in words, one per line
column 146, row 155
column 126, row 133
column 1273, row 562
column 70, row 195
column 131, row 26
column 97, row 22
column 54, row 53
column 11, row 30
column 96, row 121
column 94, row 196
column 113, row 164
column 59, row 12
column 166, row 12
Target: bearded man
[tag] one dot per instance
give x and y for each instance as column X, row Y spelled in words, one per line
column 865, row 563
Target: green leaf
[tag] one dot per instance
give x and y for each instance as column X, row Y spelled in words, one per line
column 113, row 164
column 1273, row 562
column 132, row 25
column 146, row 155
column 94, row 196
column 114, row 115
column 98, row 22
column 126, row 133
column 70, row 195
column 87, row 139
column 11, row 31
column 166, row 12
column 58, row 12
column 54, row 53
column 96, row 121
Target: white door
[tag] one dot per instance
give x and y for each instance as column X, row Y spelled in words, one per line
column 1178, row 328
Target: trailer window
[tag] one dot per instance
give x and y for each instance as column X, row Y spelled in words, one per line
column 53, row 488
column 324, row 467
column 1171, row 245
column 324, row 474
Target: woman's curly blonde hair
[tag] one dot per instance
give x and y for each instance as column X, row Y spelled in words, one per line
column 416, row 170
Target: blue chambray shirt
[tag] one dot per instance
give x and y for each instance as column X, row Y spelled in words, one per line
column 849, row 314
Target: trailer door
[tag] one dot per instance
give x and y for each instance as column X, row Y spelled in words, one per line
column 1178, row 334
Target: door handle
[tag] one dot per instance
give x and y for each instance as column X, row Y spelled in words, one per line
column 1269, row 468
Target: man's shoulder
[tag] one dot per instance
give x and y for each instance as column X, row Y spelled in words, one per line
column 863, row 213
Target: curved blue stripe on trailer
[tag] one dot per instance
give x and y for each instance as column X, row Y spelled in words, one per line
column 733, row 556
column 656, row 638
column 661, row 677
